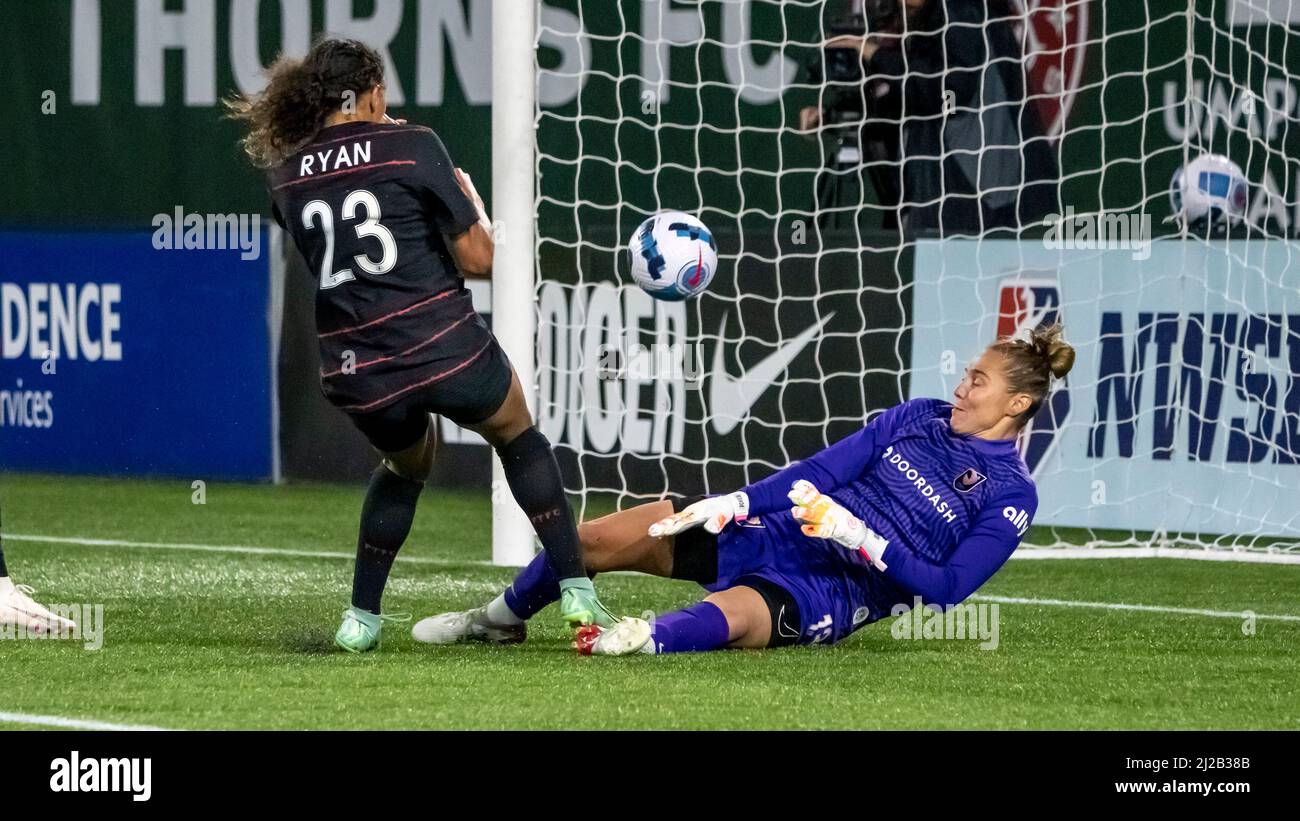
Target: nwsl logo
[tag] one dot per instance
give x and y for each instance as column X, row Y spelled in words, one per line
column 1023, row 305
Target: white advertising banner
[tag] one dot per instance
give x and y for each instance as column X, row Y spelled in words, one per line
column 1183, row 407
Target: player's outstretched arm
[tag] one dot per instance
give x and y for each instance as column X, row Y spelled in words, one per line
column 985, row 548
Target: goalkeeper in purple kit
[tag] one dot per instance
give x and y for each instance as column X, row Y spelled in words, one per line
column 928, row 500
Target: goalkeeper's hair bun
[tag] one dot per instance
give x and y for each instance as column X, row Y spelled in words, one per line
column 300, row 94
column 1050, row 344
column 1030, row 363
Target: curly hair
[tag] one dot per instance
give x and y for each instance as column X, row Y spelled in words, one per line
column 300, row 94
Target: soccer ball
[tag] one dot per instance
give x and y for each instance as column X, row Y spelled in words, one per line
column 1210, row 188
column 673, row 256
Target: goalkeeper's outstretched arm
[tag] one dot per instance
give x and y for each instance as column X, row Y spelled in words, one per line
column 991, row 541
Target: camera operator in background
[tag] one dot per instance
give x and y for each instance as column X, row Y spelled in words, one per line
column 944, row 128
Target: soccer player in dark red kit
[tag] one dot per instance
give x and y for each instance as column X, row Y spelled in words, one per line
column 390, row 227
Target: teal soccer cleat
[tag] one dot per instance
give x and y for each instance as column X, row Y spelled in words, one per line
column 579, row 604
column 362, row 630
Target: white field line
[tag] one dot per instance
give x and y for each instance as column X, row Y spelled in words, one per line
column 1031, row 553
column 326, row 554
column 225, row 548
column 73, row 723
column 1142, row 608
column 1220, row 555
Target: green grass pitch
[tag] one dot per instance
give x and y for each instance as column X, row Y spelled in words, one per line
column 204, row 639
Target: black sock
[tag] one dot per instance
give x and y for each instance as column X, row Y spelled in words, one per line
column 385, row 521
column 534, row 479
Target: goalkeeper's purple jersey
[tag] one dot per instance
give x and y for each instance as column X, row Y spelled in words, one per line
column 952, row 507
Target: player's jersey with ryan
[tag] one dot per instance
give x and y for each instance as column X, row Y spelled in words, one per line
column 953, row 508
column 368, row 205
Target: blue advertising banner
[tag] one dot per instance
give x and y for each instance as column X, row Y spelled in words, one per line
column 1183, row 407
column 129, row 353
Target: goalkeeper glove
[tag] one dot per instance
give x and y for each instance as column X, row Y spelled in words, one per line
column 824, row 518
column 714, row 513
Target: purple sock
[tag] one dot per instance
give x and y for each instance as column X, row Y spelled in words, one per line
column 697, row 628
column 534, row 588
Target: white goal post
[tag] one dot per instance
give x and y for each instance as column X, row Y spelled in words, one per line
column 514, row 175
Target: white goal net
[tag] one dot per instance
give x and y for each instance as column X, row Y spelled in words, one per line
column 891, row 186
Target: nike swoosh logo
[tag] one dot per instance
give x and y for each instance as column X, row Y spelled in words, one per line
column 730, row 398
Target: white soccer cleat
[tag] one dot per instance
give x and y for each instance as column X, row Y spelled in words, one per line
column 466, row 626
column 18, row 608
column 630, row 635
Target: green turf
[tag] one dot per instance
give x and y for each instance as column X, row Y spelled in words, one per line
column 221, row 640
